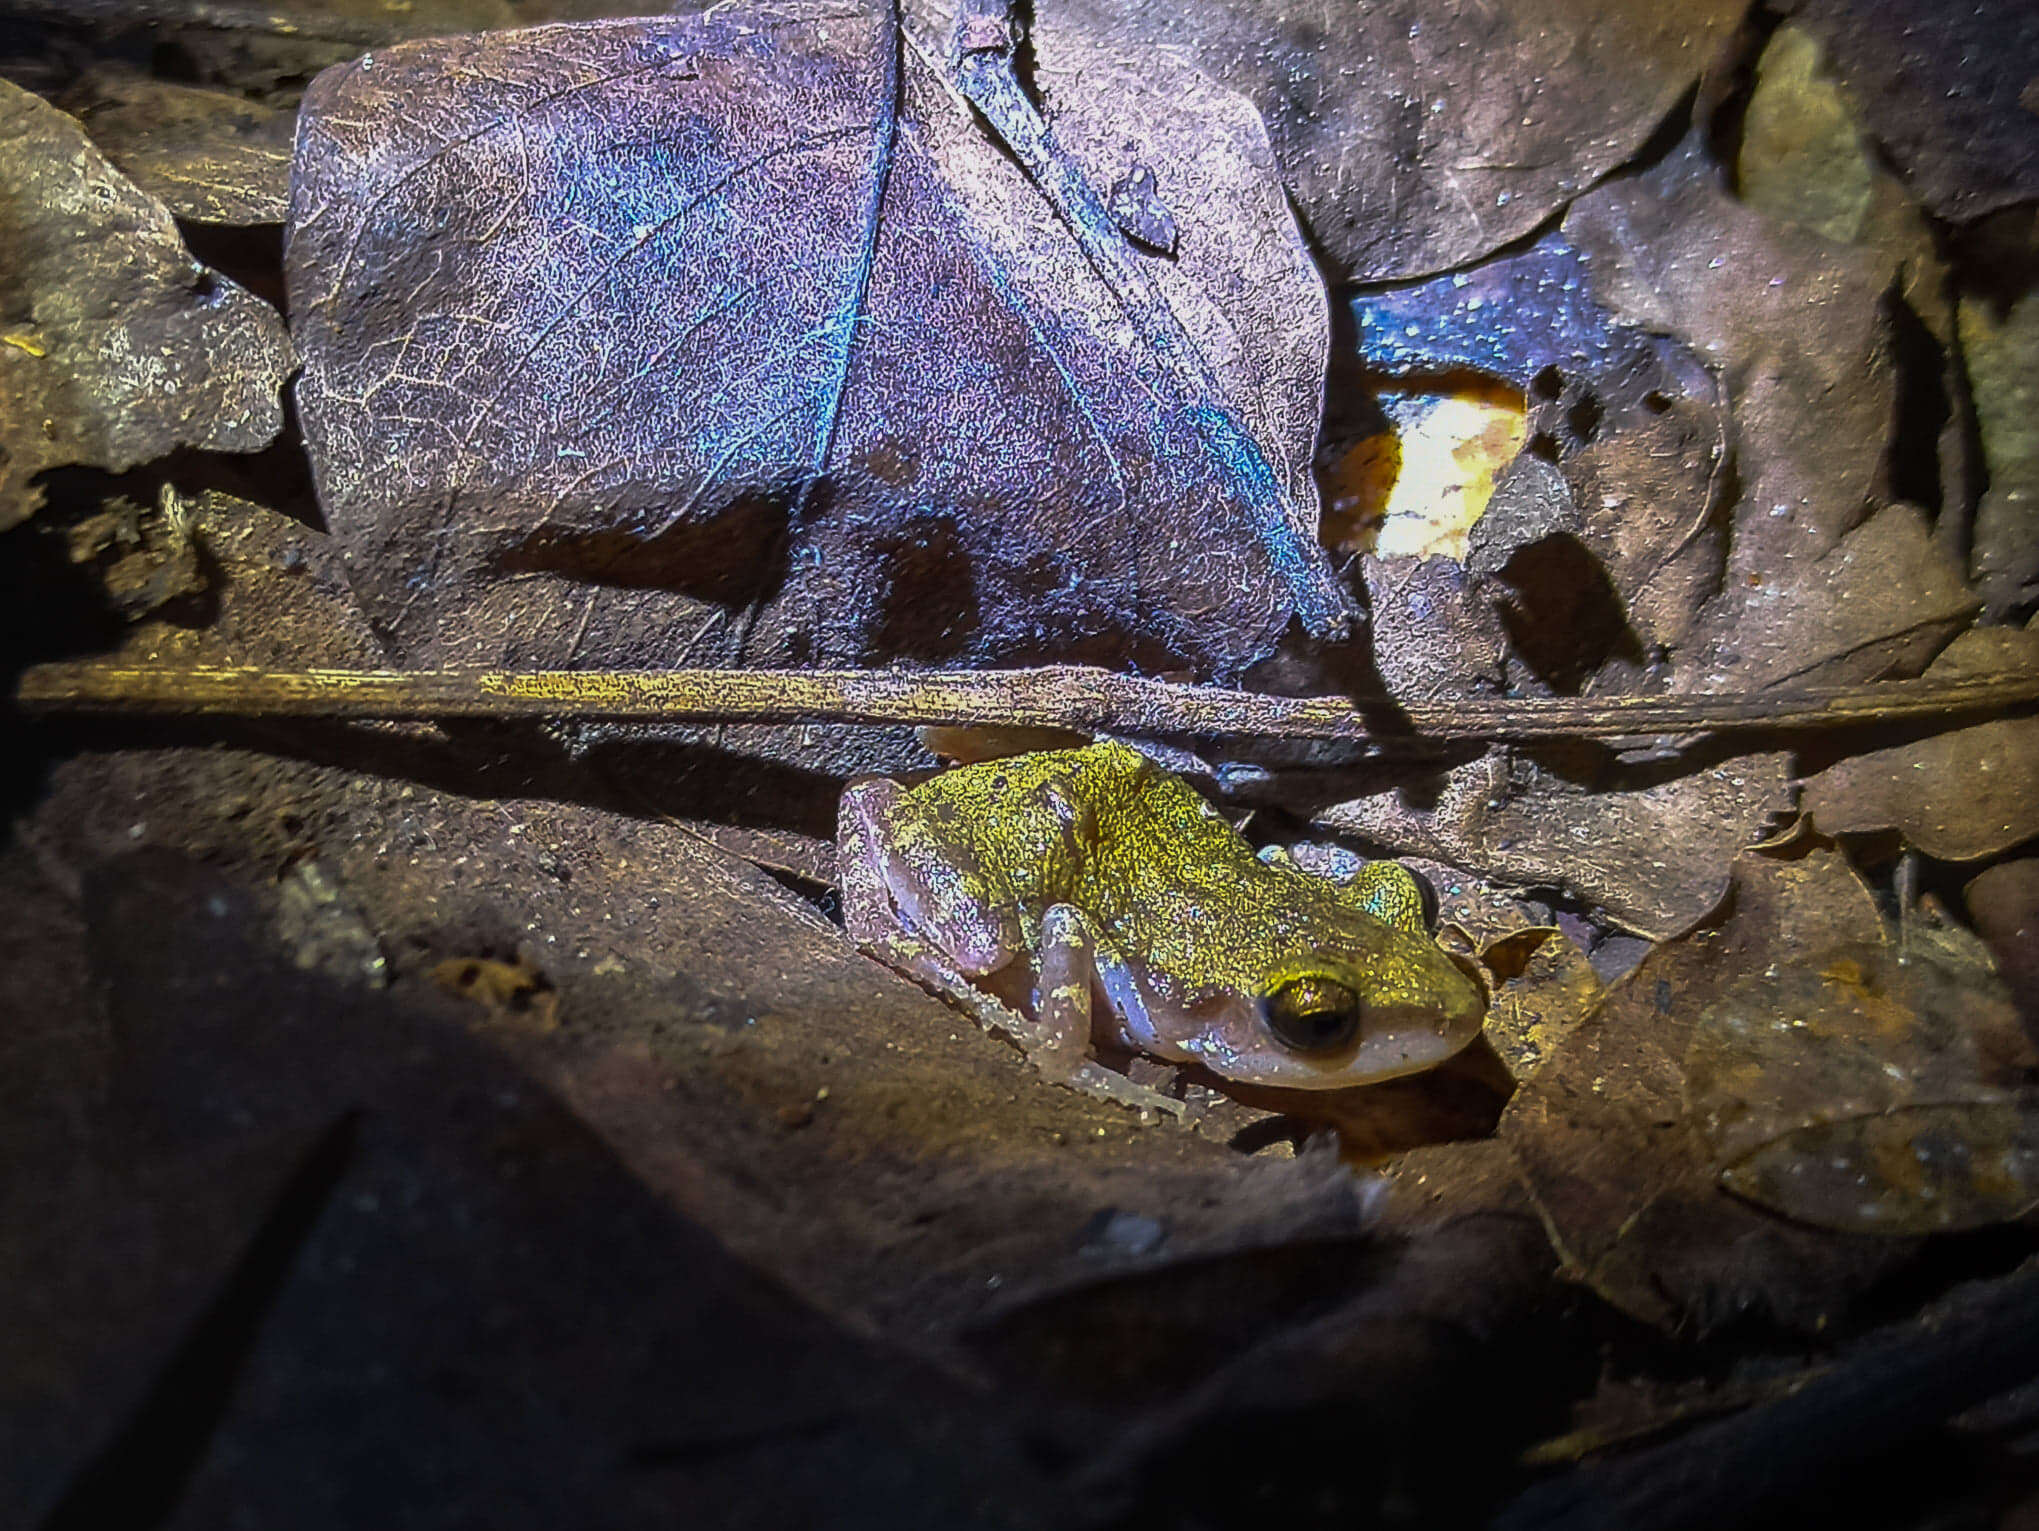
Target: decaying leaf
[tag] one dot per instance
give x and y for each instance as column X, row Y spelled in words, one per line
column 1605, row 559
column 320, row 926
column 1544, row 995
column 616, row 333
column 1620, row 1170
column 1860, row 1092
column 1959, row 795
column 513, row 993
column 209, row 156
column 1808, row 159
column 144, row 559
column 115, row 345
column 1416, row 139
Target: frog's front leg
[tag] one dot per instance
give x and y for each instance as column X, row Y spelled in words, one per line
column 1074, row 965
column 943, row 923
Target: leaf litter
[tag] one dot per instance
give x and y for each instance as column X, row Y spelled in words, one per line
column 1753, row 460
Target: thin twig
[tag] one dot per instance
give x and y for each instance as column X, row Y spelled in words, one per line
column 1066, row 696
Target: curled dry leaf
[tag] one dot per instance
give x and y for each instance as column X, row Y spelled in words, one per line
column 1860, row 1092
column 1620, row 1170
column 1652, row 852
column 210, row 156
column 617, row 335
column 115, row 345
column 1416, row 138
column 1959, row 795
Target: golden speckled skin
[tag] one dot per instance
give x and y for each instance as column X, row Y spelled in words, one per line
column 1180, row 926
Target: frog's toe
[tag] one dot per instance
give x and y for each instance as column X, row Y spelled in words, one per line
column 1096, row 1079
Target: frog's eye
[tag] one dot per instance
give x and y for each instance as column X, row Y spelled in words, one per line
column 1312, row 1013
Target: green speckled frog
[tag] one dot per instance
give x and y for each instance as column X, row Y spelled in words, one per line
column 1026, row 889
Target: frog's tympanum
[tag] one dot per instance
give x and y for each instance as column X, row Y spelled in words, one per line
column 1028, row 889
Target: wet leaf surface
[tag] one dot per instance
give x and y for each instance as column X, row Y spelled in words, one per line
column 117, row 345
column 834, row 358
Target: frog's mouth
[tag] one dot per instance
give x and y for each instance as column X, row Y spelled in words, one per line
column 1324, row 1036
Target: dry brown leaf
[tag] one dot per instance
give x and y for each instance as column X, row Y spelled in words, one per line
column 1864, row 1093
column 115, row 345
column 1792, row 327
column 210, row 156
column 1807, row 161
column 1881, row 603
column 834, row 383
column 2004, row 904
column 1416, row 139
column 1622, row 1174
column 1958, row 795
column 1653, row 856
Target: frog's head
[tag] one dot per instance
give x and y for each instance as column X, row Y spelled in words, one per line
column 1346, row 1012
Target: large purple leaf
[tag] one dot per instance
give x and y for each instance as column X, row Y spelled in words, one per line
column 735, row 337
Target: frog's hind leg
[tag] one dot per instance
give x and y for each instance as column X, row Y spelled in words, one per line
column 867, row 906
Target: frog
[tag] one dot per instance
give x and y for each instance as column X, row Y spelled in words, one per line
column 1086, row 899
